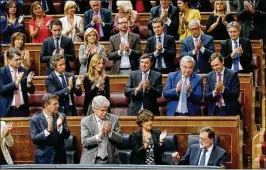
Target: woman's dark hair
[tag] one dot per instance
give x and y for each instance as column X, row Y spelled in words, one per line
column 8, row 5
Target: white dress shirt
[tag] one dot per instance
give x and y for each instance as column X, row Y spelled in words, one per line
column 156, row 54
column 233, row 48
column 125, row 63
column 202, row 49
column 180, row 96
column 59, row 130
column 222, row 79
column 13, row 73
column 208, row 154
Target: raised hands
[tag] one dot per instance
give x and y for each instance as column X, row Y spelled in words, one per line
column 7, row 127
column 30, row 77
column 60, row 121
column 19, row 78
column 79, row 81
column 20, row 19
column 163, row 135
column 70, row 83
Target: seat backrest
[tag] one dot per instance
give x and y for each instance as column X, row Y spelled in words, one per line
column 170, row 142
column 125, row 142
column 194, row 139
column 70, row 143
column 125, row 149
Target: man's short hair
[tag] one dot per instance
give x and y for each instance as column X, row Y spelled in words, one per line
column 187, row 59
column 146, row 55
column 11, row 52
column 157, row 20
column 209, row 130
column 217, row 55
column 194, row 21
column 47, row 98
column 233, row 24
column 55, row 22
column 98, row 102
column 54, row 59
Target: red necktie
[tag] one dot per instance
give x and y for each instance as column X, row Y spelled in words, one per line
column 220, row 97
column 97, row 25
column 16, row 93
column 195, row 43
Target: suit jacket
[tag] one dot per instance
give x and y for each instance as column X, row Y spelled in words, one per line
column 48, row 48
column 173, row 15
column 105, row 4
column 245, row 59
column 149, row 98
column 53, row 85
column 134, row 45
column 193, row 99
column 8, row 88
column 192, row 156
column 169, row 53
column 1, row 54
column 106, row 16
column 89, row 130
column 91, row 90
column 230, row 94
column 246, row 17
column 202, row 63
column 139, row 152
column 6, row 141
column 47, row 146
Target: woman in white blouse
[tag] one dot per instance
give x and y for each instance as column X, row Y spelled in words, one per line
column 6, row 140
column 73, row 25
column 90, row 47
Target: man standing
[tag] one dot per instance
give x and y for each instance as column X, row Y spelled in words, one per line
column 184, row 90
column 144, row 86
column 48, row 131
column 57, row 44
column 206, row 153
column 162, row 48
column 15, row 83
column 64, row 85
column 125, row 49
column 222, row 89
column 169, row 15
column 100, row 19
column 237, row 51
column 100, row 135
column 198, row 45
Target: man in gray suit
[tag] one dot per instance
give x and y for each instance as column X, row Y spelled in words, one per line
column 100, row 134
column 125, row 49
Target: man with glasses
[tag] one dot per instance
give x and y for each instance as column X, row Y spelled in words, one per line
column 124, row 48
column 184, row 90
column 100, row 19
column 205, row 153
column 199, row 46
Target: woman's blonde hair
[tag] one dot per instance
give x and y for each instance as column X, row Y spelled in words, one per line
column 87, row 32
column 123, row 4
column 15, row 36
column 34, row 4
column 144, row 116
column 225, row 7
column 68, row 5
column 95, row 60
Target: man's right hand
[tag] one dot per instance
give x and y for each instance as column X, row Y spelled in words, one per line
column 19, row 78
column 70, row 83
column 179, row 86
column 140, row 86
column 50, row 124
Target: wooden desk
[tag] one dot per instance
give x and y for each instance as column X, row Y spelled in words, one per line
column 227, row 128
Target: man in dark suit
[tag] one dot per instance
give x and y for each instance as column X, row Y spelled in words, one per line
column 100, row 19
column 252, row 15
column 64, row 85
column 222, row 89
column 15, row 83
column 170, row 16
column 184, row 90
column 48, row 131
column 124, row 49
column 237, row 51
column 198, row 45
column 206, row 153
column 109, row 4
column 144, row 86
column 57, row 44
column 162, row 48
column 100, row 135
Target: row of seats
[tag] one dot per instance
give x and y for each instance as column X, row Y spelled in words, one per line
column 119, row 104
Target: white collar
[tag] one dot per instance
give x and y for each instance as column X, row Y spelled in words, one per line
column 58, row 74
column 237, row 40
column 199, row 38
column 46, row 115
column 222, row 72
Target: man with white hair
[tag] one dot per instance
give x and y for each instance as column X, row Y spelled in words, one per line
column 184, row 90
column 199, row 46
column 100, row 134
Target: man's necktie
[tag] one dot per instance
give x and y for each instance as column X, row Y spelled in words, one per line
column 102, row 146
column 159, row 57
column 184, row 96
column 203, row 157
column 220, row 97
column 251, row 21
column 236, row 59
column 144, row 77
column 64, row 85
column 16, row 93
column 97, row 25
column 57, row 46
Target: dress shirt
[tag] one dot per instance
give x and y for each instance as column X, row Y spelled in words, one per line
column 202, row 49
column 180, row 96
column 13, row 72
column 60, row 79
column 93, row 23
column 168, row 20
column 222, row 79
column 156, row 54
column 59, row 130
column 125, row 63
column 208, row 154
column 233, row 48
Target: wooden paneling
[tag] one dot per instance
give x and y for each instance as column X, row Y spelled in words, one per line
column 227, row 128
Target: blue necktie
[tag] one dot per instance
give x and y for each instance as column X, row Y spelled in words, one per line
column 184, row 96
column 236, row 59
column 57, row 46
column 160, row 57
column 203, row 158
column 144, row 77
column 64, row 85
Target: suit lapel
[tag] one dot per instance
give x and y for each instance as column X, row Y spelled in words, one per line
column 177, row 79
column 129, row 39
column 230, row 45
column 213, row 77
column 52, row 42
column 212, row 156
column 191, row 43
column 9, row 75
column 165, row 40
column 117, row 41
column 197, row 153
column 225, row 77
column 192, row 80
column 95, row 125
column 43, row 121
column 170, row 12
column 58, row 82
column 139, row 77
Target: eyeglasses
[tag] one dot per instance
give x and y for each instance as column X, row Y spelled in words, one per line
column 203, row 139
